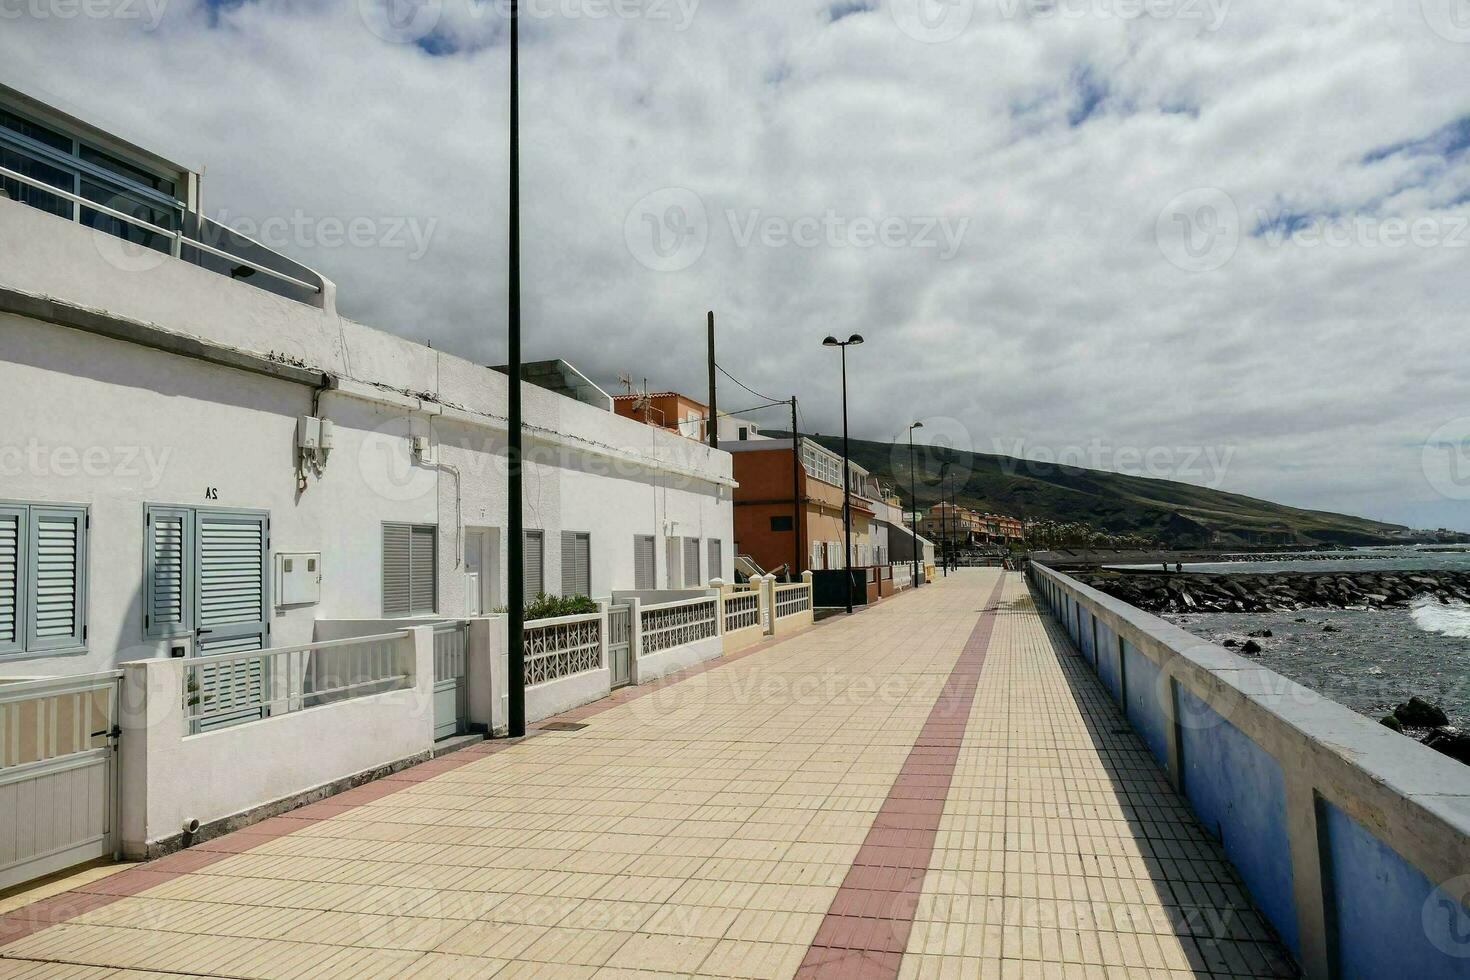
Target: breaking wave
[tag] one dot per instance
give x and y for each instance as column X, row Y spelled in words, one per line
column 1446, row 619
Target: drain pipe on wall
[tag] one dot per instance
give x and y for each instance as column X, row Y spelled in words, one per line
column 458, row 501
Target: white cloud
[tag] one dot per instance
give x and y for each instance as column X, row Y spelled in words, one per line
column 1059, row 320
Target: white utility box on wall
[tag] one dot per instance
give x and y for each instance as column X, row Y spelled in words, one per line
column 299, row 579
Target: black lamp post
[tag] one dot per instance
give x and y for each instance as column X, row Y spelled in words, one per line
column 914, row 499
column 516, row 601
column 852, row 341
column 943, row 520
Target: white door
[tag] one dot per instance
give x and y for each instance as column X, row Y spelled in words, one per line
column 474, row 573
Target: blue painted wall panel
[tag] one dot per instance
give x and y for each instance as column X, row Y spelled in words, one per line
column 1145, row 712
column 1391, row 920
column 1107, row 668
column 1237, row 790
column 1105, row 641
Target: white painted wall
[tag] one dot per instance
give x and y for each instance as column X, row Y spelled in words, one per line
column 172, row 776
column 163, row 428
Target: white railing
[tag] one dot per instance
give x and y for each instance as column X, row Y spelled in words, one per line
column 742, row 609
column 52, row 718
column 231, row 688
column 451, row 641
column 673, row 624
column 177, row 239
column 562, row 647
column 903, row 575
column 792, row 599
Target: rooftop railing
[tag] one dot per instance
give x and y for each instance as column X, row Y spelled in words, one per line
column 180, row 245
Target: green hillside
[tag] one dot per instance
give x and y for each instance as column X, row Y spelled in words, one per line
column 1176, row 514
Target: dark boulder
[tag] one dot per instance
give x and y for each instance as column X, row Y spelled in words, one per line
column 1389, row 721
column 1451, row 742
column 1250, row 648
column 1418, row 713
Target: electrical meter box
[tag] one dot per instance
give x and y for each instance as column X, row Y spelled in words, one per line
column 298, row 579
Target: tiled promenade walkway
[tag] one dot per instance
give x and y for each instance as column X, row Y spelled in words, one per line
column 934, row 787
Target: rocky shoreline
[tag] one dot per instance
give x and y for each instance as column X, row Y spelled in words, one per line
column 1184, row 592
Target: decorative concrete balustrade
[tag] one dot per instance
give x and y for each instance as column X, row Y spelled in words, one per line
column 1353, row 840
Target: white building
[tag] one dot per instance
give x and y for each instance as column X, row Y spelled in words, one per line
column 200, row 455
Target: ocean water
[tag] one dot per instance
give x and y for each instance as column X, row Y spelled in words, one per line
column 1375, row 660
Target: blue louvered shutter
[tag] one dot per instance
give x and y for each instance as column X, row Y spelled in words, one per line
column 167, row 589
column 12, row 578
column 56, row 612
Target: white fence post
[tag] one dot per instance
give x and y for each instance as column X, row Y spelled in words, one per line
column 768, row 602
column 635, row 637
column 151, row 716
column 720, row 591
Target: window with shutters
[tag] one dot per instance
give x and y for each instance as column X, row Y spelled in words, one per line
column 43, row 579
column 410, row 569
column 716, row 559
column 645, row 573
column 691, row 563
column 576, row 563
column 533, row 564
column 205, row 575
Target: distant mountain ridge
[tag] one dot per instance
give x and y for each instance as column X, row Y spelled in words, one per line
column 1178, row 514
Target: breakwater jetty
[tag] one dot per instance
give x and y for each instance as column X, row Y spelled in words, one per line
column 1277, row 591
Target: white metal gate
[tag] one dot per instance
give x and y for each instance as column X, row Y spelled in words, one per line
column 58, row 774
column 451, row 700
column 620, row 644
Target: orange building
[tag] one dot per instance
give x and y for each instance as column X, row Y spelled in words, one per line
column 790, row 517
column 665, row 409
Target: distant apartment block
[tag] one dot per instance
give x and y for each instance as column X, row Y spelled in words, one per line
column 968, row 528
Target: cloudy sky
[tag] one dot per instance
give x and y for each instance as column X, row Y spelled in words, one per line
column 1226, row 241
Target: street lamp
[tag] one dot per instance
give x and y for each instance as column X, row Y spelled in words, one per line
column 852, row 341
column 516, row 600
column 943, row 519
column 914, row 499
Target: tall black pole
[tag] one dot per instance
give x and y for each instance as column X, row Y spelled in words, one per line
column 914, row 497
column 846, row 491
column 714, row 413
column 944, row 520
column 797, row 530
column 954, row 506
column 516, row 601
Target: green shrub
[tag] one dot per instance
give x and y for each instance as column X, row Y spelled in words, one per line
column 551, row 606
